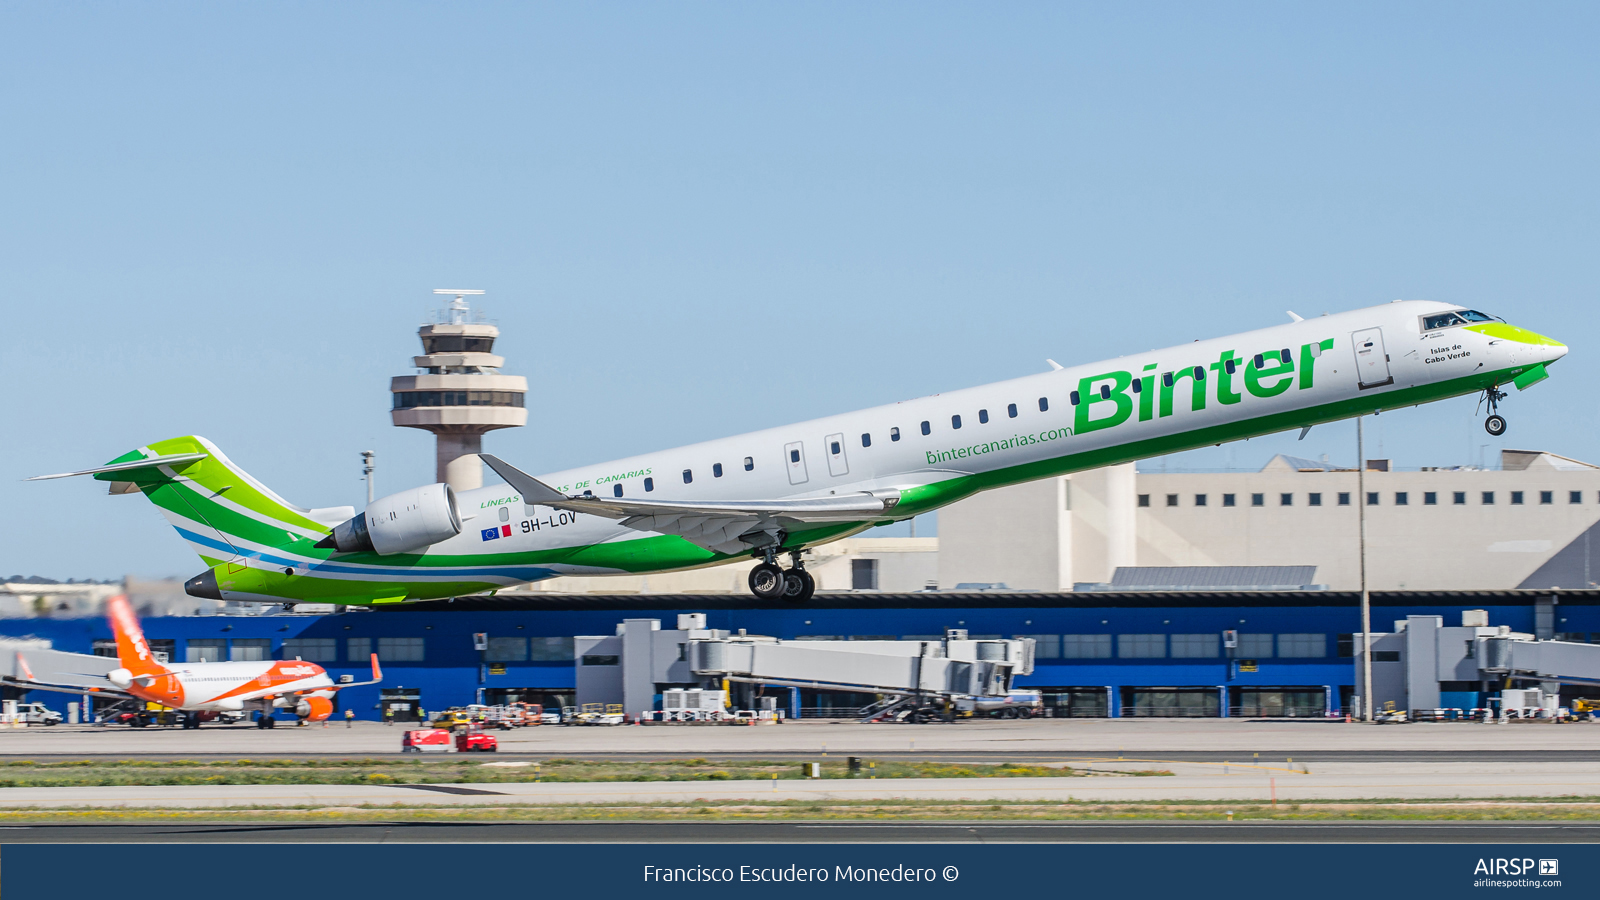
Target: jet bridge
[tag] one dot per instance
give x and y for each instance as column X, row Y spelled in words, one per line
column 1426, row 665
column 641, row 661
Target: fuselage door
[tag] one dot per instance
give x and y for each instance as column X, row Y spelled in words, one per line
column 833, row 444
column 1372, row 361
column 794, row 456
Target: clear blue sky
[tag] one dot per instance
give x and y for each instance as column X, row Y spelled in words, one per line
column 699, row 219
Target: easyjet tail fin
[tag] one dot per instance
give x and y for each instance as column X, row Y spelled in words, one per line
column 133, row 651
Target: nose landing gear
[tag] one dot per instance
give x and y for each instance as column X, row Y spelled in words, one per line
column 1496, row 423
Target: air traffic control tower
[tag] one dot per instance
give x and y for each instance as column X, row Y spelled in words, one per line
column 462, row 395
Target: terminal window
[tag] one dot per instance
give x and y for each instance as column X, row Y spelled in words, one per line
column 1285, row 499
column 208, row 650
column 1401, row 498
column 1372, row 498
column 1086, row 646
column 1172, row 499
column 1195, row 646
column 1488, row 498
column 357, row 649
column 1253, row 646
column 1258, row 499
column 1303, row 646
column 400, row 649
column 1574, row 496
column 1516, row 498
column 1144, row 499
column 1045, row 646
column 1141, row 646
column 250, row 649
column 1344, row 498
column 1199, row 499
column 1313, row 499
column 1430, row 498
column 310, row 649
column 599, row 660
column 1459, row 498
column 550, row 649
column 1547, row 497
column 1230, row 500
column 507, row 649
column 863, row 574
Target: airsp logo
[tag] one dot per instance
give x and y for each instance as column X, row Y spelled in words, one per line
column 1549, row 867
column 1516, row 867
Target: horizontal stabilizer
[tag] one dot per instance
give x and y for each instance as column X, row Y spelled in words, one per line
column 176, row 459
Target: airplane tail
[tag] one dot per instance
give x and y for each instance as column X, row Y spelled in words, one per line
column 224, row 513
column 133, row 651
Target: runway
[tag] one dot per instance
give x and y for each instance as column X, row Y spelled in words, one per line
column 703, row 833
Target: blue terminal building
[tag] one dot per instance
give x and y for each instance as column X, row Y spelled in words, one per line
column 1157, row 653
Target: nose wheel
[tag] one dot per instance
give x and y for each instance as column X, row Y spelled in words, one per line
column 1496, row 423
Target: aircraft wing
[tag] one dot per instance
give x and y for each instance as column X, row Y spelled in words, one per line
column 714, row 524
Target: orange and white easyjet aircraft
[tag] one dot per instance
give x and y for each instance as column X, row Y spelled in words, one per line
column 303, row 687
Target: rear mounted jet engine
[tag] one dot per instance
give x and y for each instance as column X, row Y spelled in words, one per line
column 399, row 523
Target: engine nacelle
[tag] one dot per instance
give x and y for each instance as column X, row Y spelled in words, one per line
column 120, row 678
column 399, row 523
column 316, row 709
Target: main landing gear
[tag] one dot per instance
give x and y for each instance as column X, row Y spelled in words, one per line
column 1496, row 423
column 769, row 581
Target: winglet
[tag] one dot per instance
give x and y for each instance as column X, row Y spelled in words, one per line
column 22, row 666
column 532, row 489
column 377, row 673
column 1055, row 366
column 1293, row 316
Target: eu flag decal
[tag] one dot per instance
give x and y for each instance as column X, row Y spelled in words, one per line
column 490, row 534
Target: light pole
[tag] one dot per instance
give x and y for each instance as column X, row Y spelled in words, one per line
column 367, row 467
column 1361, row 552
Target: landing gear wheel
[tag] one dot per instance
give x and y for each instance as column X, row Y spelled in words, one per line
column 1495, row 425
column 768, row 582
column 798, row 585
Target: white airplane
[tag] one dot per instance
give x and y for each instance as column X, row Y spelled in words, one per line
column 264, row 685
column 779, row 491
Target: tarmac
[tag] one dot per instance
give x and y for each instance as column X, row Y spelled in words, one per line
column 1000, row 739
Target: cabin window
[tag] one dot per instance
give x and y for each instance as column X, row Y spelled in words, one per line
column 955, row 422
column 505, row 513
column 1199, row 373
column 794, row 455
column 926, row 428
column 1138, row 384
column 688, row 475
column 1166, row 379
column 835, row 449
column 866, row 439
column 1011, row 410
column 1073, row 398
column 716, row 470
column 1105, row 392
column 1230, row 366
column 649, row 485
column 1044, row 404
column 894, row 434
column 616, row 490
column 1284, row 354
column 983, row 417
column 1260, row 361
column 749, row 463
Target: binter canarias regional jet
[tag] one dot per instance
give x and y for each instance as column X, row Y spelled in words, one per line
column 773, row 493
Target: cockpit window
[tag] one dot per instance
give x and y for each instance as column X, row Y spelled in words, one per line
column 1442, row 320
column 1472, row 315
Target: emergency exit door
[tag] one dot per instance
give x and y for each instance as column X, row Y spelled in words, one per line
column 1372, row 361
column 794, row 456
column 837, row 464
